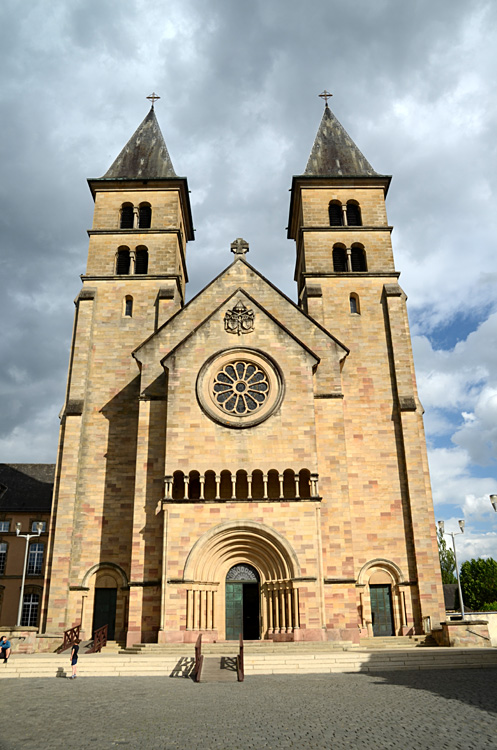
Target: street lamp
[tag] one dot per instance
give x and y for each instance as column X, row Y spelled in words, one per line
column 453, row 534
column 27, row 537
column 493, row 500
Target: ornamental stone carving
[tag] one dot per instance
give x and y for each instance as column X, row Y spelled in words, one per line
column 239, row 320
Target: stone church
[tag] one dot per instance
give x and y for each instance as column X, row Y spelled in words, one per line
column 242, row 463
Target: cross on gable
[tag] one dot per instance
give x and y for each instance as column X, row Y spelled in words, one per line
column 239, row 246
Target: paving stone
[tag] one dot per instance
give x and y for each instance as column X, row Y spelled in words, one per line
column 405, row 710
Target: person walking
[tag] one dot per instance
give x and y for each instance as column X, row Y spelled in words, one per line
column 6, row 648
column 74, row 659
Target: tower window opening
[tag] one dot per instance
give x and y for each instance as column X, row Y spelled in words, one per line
column 128, row 307
column 358, row 258
column 127, row 216
column 145, row 216
column 353, row 214
column 123, row 261
column 141, row 261
column 354, row 304
column 339, row 259
column 336, row 214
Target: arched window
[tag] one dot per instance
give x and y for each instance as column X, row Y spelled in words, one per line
column 273, row 484
column 305, row 483
column 194, row 485
column 354, row 304
column 257, row 485
column 210, row 485
column 178, row 485
column 358, row 258
column 289, row 489
column 122, row 261
column 128, row 306
column 35, row 559
column 127, row 216
column 226, row 487
column 340, row 259
column 336, row 214
column 353, row 214
column 145, row 216
column 241, row 485
column 141, row 260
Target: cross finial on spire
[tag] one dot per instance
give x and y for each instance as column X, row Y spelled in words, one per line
column 239, row 246
column 325, row 95
column 153, row 98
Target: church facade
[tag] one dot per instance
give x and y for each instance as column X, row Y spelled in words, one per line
column 241, row 463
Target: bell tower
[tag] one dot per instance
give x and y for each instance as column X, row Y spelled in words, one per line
column 135, row 281
column 347, row 282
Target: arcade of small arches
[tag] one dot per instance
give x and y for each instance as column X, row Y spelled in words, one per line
column 346, row 259
column 129, row 262
column 344, row 215
column 135, row 217
column 241, row 485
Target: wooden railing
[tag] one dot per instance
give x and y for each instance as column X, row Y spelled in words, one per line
column 70, row 637
column 240, row 670
column 99, row 640
column 199, row 660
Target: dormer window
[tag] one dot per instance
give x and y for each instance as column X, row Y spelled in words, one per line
column 127, row 216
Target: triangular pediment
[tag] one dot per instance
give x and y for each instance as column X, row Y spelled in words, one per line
column 241, row 280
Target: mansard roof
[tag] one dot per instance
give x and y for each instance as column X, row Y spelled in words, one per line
column 334, row 153
column 145, row 156
column 26, row 487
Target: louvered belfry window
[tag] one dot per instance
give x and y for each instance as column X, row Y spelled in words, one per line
column 127, row 216
column 145, row 216
column 122, row 265
column 141, row 262
column 339, row 259
column 353, row 215
column 358, row 259
column 336, row 215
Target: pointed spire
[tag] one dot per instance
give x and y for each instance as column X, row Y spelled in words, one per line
column 145, row 155
column 334, row 153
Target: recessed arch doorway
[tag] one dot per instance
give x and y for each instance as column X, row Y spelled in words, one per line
column 243, row 603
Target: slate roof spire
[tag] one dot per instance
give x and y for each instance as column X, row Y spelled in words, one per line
column 334, row 153
column 145, row 156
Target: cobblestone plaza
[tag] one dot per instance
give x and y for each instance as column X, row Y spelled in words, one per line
column 407, row 710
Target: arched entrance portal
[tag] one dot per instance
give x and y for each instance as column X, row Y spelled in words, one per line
column 242, row 603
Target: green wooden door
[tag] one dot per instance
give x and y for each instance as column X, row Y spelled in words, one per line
column 234, row 610
column 381, row 609
column 104, row 611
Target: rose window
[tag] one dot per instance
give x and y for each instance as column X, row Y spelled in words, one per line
column 240, row 388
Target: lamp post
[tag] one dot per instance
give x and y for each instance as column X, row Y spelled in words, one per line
column 453, row 534
column 27, row 537
column 493, row 500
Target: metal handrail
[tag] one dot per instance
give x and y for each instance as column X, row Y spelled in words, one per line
column 99, row 640
column 70, row 638
column 239, row 662
column 199, row 659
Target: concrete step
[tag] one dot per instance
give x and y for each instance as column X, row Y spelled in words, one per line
column 231, row 647
column 284, row 662
column 403, row 641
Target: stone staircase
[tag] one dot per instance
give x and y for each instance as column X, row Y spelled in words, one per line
column 402, row 641
column 261, row 658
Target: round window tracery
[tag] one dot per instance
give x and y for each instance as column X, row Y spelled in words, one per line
column 241, row 388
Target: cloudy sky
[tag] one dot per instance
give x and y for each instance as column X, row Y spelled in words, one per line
column 413, row 84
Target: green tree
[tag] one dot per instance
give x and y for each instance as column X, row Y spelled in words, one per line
column 479, row 583
column 447, row 560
